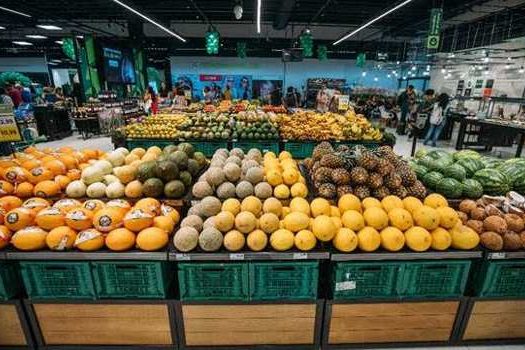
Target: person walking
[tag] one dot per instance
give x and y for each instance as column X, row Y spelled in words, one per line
column 437, row 119
column 406, row 101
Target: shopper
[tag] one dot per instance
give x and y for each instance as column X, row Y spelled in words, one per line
column 208, row 95
column 291, row 100
column 5, row 99
column 419, row 120
column 179, row 101
column 276, row 97
column 15, row 94
column 151, row 103
column 227, row 93
column 322, row 100
column 406, row 101
column 437, row 119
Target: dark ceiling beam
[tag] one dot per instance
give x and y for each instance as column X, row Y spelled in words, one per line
column 283, row 14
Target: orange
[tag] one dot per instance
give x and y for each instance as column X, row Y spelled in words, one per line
column 5, row 236
column 56, row 167
column 35, row 204
column 10, row 202
column 40, row 174
column 149, row 204
column 62, row 181
column 50, row 218
column 24, row 190
column 19, row 218
column 79, row 219
column 46, row 189
column 108, row 219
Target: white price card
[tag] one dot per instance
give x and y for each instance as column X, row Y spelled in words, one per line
column 236, row 256
column 300, row 256
column 182, row 257
column 497, row 256
column 347, row 285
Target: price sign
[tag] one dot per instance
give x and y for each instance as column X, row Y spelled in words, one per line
column 182, row 257
column 300, row 256
column 8, row 129
column 237, row 256
column 344, row 102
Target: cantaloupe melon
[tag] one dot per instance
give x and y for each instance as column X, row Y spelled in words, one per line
column 79, row 219
column 210, row 239
column 29, row 239
column 152, row 239
column 120, row 240
column 89, row 240
column 61, row 238
column 50, row 218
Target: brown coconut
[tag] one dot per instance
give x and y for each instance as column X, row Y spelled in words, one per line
column 514, row 222
column 522, row 236
column 512, row 241
column 463, row 217
column 491, row 240
column 478, row 214
column 476, row 225
column 467, row 205
column 496, row 224
column 491, row 210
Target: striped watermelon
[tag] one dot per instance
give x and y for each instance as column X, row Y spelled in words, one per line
column 519, row 184
column 455, row 171
column 420, row 170
column 494, row 182
column 472, row 189
column 450, row 187
column 466, row 154
column 512, row 170
column 431, row 179
column 491, row 162
column 471, row 165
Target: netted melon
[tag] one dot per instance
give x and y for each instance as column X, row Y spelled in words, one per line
column 263, row 190
column 210, row 240
column 186, row 239
column 244, row 189
column 210, row 206
column 193, row 221
column 247, row 164
column 237, row 152
column 215, row 176
column 202, row 189
column 255, row 175
column 232, row 172
column 234, row 159
column 226, row 190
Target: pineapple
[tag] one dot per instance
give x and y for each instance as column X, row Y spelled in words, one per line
column 387, row 153
column 417, row 190
column 321, row 149
column 359, row 175
column 308, row 163
column 327, row 191
column 362, row 192
column 343, row 148
column 341, row 176
column 323, row 175
column 393, row 181
column 332, row 160
column 342, row 190
column 368, row 160
column 407, row 175
column 380, row 192
column 384, row 167
column 401, row 192
column 375, row 180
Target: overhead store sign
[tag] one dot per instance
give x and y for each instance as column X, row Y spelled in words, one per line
column 8, row 128
column 434, row 30
column 361, row 60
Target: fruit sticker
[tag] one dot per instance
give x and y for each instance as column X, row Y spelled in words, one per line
column 105, row 221
column 86, row 235
column 76, row 215
column 12, row 218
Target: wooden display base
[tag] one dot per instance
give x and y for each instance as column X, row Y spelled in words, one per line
column 379, row 323
column 285, row 325
column 495, row 320
column 14, row 329
column 102, row 324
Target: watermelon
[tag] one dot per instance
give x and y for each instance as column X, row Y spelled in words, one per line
column 455, row 171
column 494, row 182
column 420, row 170
column 426, row 161
column 491, row 162
column 519, row 184
column 466, row 154
column 439, row 154
column 471, row 165
column 420, row 153
column 431, row 179
column 472, row 189
column 449, row 187
column 512, row 170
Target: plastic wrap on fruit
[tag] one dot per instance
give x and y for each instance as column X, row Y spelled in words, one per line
column 511, row 209
column 496, row 200
column 491, row 209
column 516, row 199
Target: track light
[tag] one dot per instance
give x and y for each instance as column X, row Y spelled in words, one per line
column 15, row 12
column 372, row 21
column 259, row 10
column 160, row 26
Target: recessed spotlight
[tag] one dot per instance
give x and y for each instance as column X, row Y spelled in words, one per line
column 414, row 68
column 363, row 74
column 80, row 36
column 22, row 43
column 56, row 60
column 388, row 76
column 2, row 28
column 48, row 27
column 36, row 36
column 522, row 70
column 376, row 78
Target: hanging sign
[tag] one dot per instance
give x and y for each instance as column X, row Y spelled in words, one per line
column 344, row 101
column 8, row 128
column 360, row 60
column 434, row 30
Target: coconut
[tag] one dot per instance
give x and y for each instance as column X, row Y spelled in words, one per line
column 514, row 222
column 476, row 225
column 496, row 224
column 512, row 241
column 491, row 240
column 467, row 205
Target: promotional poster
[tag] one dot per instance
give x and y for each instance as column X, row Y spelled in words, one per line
column 240, row 86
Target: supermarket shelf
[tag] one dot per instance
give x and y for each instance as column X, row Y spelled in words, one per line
column 92, row 256
column 173, row 255
column 505, row 255
column 432, row 255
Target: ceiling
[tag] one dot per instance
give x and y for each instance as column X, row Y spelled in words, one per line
column 283, row 21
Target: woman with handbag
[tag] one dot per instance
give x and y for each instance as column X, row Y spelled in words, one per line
column 437, row 119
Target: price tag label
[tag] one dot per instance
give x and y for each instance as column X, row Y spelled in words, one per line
column 300, row 256
column 348, row 285
column 182, row 257
column 497, row 256
column 236, row 256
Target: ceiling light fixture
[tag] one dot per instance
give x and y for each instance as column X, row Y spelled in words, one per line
column 15, row 12
column 36, row 36
column 48, row 27
column 507, row 66
column 238, row 10
column 388, row 76
column 372, row 21
column 363, row 74
column 22, row 43
column 376, row 78
column 259, row 10
column 59, row 42
column 2, row 28
column 414, row 68
column 160, row 26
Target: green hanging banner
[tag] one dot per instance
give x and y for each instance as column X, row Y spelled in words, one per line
column 212, row 42
column 360, row 60
column 434, row 30
column 307, row 44
column 241, row 50
column 322, row 52
column 140, row 84
column 68, row 47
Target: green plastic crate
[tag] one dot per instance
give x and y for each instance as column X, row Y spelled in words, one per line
column 300, row 149
column 10, row 284
column 213, row 281
column 434, row 279
column 208, row 147
column 58, row 280
column 147, row 143
column 501, row 278
column 284, row 280
column 129, row 279
column 353, row 280
column 263, row 145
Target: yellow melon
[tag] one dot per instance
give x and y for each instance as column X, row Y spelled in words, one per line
column 353, row 220
column 251, row 204
column 79, row 219
column 441, row 239
column 152, row 239
column 376, row 218
column 369, row 239
column 167, row 210
column 337, row 222
column 94, row 205
column 108, row 219
column 269, row 222
column 300, row 205
column 400, row 218
column 10, row 202
column 464, row 238
column 281, row 192
column 391, row 202
column 448, row 217
column 296, row 221
column 5, row 236
column 320, row 206
column 305, row 240
column 61, row 238
column 165, row 223
column 427, row 217
column 35, row 204
column 324, row 228
column 29, row 238
column 285, row 155
column 89, row 240
column 412, row 203
column 245, row 222
column 299, row 190
column 133, row 189
column 282, row 240
column 120, row 240
column 370, row 202
column 149, row 204
column 46, row 189
column 234, row 241
column 19, row 218
column 274, row 177
column 435, row 200
column 232, row 205
column 137, row 220
column 66, row 204
column 290, row 176
column 50, row 218
column 224, row 221
column 349, row 202
column 334, row 211
column 418, row 239
column 345, row 240
column 392, row 239
column 285, row 212
column 257, row 240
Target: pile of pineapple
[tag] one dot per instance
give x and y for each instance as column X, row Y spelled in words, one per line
column 362, row 172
